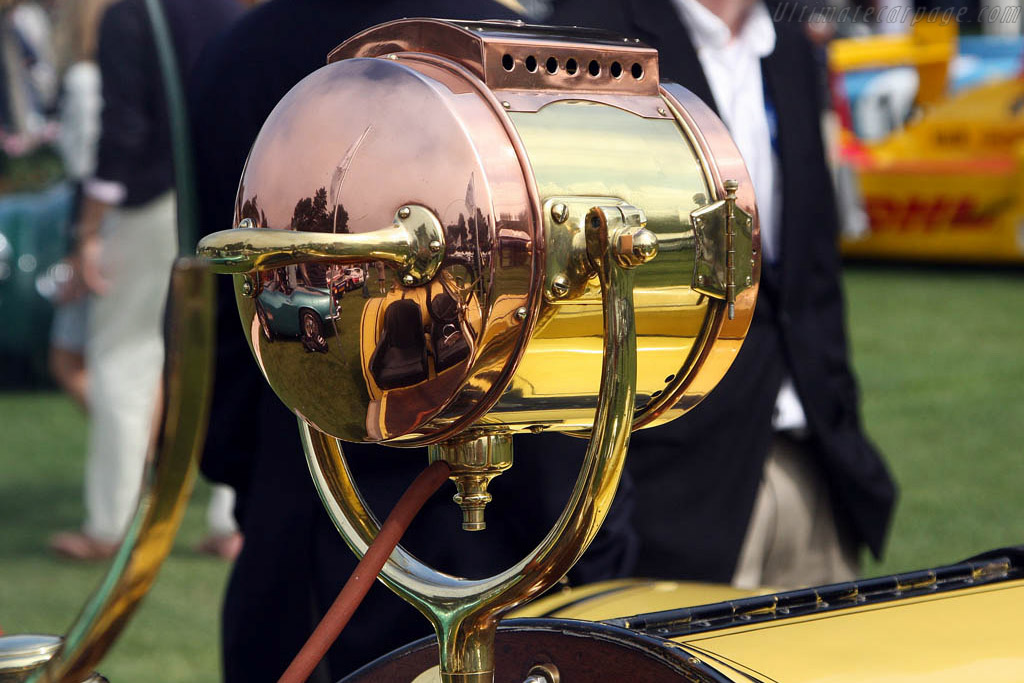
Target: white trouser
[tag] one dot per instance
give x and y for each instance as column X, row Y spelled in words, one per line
column 124, row 357
column 220, row 513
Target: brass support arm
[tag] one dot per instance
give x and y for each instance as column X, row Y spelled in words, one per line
column 465, row 613
column 414, row 244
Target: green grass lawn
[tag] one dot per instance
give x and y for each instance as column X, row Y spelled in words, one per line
column 940, row 356
column 938, row 352
column 173, row 636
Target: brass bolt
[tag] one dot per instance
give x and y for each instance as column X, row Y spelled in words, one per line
column 645, row 245
column 521, row 313
column 404, row 212
column 560, row 287
column 560, row 212
column 700, row 279
column 246, row 223
column 635, row 247
column 661, row 110
column 435, row 246
column 247, row 286
column 506, row 105
column 408, row 280
column 544, row 673
column 749, row 281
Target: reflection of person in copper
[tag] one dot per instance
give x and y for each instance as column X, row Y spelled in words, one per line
column 770, row 480
column 378, row 266
column 293, row 562
column 366, row 280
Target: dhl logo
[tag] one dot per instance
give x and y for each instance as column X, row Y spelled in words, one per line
column 914, row 214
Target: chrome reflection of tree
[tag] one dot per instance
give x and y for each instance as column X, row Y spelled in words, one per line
column 251, row 210
column 311, row 213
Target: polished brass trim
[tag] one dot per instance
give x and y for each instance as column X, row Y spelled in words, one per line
column 623, row 65
column 414, row 243
column 170, row 475
column 724, row 263
column 465, row 612
column 567, row 262
column 474, row 461
column 22, row 654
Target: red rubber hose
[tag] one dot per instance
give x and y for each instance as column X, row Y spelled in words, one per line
column 365, row 573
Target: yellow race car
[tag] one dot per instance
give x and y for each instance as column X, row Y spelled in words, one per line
column 944, row 187
column 951, row 623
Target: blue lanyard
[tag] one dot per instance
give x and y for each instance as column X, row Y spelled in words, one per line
column 770, row 114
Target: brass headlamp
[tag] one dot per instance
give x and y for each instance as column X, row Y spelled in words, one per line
column 442, row 172
column 452, row 233
column 455, row 232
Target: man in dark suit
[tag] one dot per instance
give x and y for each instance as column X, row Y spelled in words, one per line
column 783, row 429
column 293, row 562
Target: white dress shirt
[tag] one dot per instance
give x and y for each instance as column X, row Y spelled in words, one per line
column 732, row 66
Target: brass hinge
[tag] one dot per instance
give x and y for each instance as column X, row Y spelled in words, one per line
column 723, row 249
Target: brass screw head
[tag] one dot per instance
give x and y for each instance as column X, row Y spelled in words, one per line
column 749, row 281
column 661, row 110
column 247, row 286
column 560, row 212
column 408, row 280
column 246, row 223
column 521, row 313
column 435, row 246
column 404, row 212
column 700, row 279
column 506, row 105
column 560, row 286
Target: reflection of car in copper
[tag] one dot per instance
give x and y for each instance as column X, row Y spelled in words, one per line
column 346, row 279
column 296, row 312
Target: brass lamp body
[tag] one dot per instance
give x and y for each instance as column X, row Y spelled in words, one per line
column 497, row 139
column 455, row 232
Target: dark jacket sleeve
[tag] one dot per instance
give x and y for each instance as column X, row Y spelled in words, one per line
column 127, row 122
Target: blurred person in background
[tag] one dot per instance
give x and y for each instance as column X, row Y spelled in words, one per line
column 770, row 480
column 29, row 75
column 294, row 562
column 126, row 245
column 76, row 35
